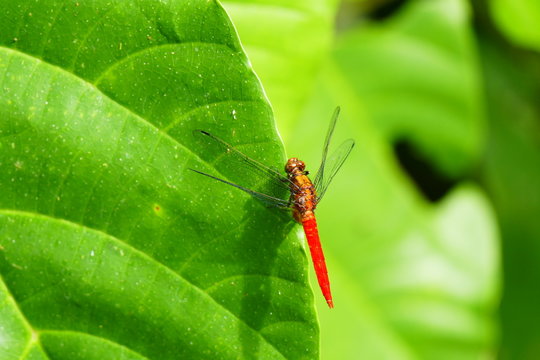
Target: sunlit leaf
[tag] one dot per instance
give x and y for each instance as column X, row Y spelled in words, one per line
column 109, row 244
column 286, row 41
column 418, row 78
column 411, row 279
column 518, row 20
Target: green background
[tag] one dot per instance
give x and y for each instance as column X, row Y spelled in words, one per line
column 111, row 248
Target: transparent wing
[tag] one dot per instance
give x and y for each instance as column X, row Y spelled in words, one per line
column 329, row 133
column 331, row 165
column 270, row 200
column 279, row 180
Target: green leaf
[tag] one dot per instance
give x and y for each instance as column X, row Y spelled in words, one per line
column 418, row 79
column 16, row 334
column 92, row 283
column 110, row 245
column 286, row 41
column 411, row 279
column 518, row 20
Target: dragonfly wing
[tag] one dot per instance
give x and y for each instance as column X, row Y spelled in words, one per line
column 270, row 200
column 329, row 133
column 278, row 179
column 332, row 166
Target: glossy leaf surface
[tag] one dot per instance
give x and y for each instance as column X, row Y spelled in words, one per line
column 109, row 245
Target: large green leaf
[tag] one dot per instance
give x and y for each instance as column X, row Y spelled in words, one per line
column 109, row 245
column 286, row 41
column 418, row 78
column 518, row 20
column 411, row 279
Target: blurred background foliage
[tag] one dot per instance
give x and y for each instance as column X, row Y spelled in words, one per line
column 431, row 229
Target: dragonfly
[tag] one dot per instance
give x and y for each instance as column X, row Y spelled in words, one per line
column 305, row 194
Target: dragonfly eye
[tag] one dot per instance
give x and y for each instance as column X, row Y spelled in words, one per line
column 294, row 165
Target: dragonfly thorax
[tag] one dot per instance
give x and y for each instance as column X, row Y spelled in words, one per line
column 295, row 166
column 303, row 198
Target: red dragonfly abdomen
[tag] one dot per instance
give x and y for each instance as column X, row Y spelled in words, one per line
column 312, row 234
column 304, row 202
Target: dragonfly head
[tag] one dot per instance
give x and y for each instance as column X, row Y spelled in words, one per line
column 294, row 166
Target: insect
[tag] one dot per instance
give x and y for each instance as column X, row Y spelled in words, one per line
column 305, row 195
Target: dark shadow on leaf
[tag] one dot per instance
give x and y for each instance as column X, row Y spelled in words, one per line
column 263, row 234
